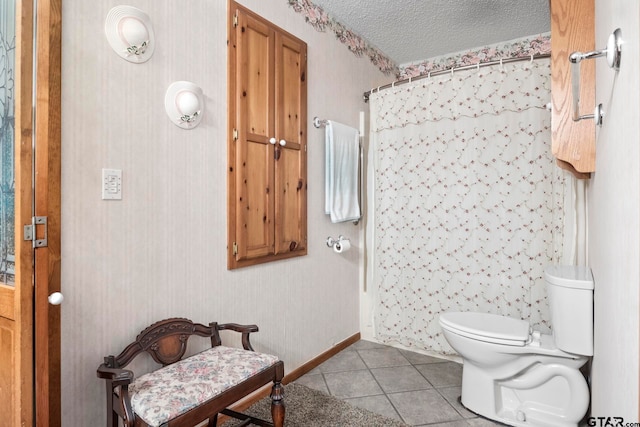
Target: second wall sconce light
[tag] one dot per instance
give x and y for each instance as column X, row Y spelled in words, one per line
column 184, row 103
column 130, row 33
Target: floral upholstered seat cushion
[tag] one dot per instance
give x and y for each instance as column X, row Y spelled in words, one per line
column 162, row 395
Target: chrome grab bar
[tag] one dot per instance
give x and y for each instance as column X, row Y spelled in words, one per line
column 613, row 53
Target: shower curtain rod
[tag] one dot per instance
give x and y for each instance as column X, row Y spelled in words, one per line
column 450, row 70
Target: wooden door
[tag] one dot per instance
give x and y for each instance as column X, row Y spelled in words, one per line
column 291, row 163
column 16, row 256
column 29, row 327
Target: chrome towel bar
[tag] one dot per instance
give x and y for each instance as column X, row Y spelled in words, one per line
column 613, row 53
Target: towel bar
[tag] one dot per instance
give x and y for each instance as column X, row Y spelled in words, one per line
column 320, row 123
column 612, row 52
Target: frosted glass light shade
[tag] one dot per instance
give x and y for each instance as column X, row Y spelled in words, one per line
column 130, row 33
column 133, row 31
column 188, row 103
column 184, row 103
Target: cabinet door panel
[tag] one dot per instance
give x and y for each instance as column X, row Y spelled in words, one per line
column 290, row 70
column 291, row 204
column 254, row 154
column 256, row 91
column 255, row 208
column 291, row 185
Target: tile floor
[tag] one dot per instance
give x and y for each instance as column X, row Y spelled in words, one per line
column 414, row 388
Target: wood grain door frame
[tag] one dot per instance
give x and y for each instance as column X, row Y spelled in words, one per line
column 47, row 163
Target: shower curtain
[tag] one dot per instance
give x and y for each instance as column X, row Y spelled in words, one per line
column 469, row 206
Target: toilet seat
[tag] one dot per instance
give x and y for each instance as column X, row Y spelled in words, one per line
column 491, row 328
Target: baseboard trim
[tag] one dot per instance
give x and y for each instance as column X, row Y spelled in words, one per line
column 323, row 357
column 291, row 376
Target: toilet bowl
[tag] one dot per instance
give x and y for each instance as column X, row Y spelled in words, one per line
column 521, row 377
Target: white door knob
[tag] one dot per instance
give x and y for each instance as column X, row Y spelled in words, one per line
column 283, row 142
column 272, row 141
column 56, row 298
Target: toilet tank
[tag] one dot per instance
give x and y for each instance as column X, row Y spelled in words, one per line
column 570, row 291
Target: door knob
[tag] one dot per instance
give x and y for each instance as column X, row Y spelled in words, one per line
column 272, row 141
column 283, row 142
column 56, row 298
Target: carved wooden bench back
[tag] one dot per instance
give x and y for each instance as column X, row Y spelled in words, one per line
column 165, row 341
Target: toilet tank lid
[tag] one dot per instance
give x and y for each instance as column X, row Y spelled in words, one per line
column 569, row 276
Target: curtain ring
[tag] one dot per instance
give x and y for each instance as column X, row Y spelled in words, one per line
column 452, row 71
column 532, row 58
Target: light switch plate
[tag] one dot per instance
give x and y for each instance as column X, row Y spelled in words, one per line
column 111, row 184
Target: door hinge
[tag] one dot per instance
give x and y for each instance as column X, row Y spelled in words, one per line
column 235, row 134
column 30, row 231
column 235, row 248
column 235, row 20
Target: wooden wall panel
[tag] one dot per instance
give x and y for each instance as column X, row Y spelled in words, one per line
column 572, row 29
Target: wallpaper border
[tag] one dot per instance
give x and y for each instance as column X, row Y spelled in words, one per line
column 315, row 16
column 517, row 48
column 321, row 21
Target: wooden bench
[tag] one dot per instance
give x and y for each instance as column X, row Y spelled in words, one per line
column 188, row 391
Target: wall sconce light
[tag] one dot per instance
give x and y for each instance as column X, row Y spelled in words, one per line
column 130, row 33
column 184, row 103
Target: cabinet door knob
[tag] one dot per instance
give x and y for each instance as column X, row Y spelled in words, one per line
column 283, row 142
column 272, row 141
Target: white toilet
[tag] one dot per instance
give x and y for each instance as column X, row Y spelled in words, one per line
column 521, row 377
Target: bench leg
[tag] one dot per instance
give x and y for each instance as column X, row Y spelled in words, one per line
column 277, row 404
column 213, row 421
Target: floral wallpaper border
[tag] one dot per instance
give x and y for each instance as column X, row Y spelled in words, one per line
column 517, row 48
column 321, row 21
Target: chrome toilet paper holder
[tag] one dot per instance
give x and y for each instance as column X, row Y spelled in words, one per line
column 331, row 242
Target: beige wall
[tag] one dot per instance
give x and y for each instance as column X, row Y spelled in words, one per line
column 161, row 251
column 614, row 219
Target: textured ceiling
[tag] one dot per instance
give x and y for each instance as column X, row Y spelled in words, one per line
column 414, row 30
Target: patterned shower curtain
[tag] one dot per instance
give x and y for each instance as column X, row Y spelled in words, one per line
column 469, row 204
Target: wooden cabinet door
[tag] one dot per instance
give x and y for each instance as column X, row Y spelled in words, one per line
column 254, row 163
column 291, row 164
column 267, row 202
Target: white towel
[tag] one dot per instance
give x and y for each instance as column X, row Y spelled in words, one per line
column 342, row 152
